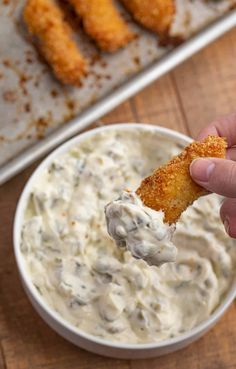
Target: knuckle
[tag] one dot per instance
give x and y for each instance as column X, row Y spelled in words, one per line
column 223, row 179
column 230, row 178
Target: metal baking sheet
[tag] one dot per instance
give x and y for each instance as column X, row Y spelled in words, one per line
column 34, row 106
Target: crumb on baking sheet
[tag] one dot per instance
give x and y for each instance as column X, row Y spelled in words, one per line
column 54, row 93
column 27, row 107
column 70, row 104
column 136, row 60
column 94, row 59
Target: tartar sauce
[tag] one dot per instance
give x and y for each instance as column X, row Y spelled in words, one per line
column 80, row 272
column 140, row 229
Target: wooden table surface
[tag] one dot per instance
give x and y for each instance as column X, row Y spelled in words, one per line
column 186, row 99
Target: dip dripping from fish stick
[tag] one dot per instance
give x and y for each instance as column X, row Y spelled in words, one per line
column 170, row 188
column 103, row 23
column 45, row 21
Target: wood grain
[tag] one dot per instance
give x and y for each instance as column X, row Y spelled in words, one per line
column 158, row 104
column 186, row 99
column 206, row 84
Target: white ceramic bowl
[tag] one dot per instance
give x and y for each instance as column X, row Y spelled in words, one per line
column 64, row 328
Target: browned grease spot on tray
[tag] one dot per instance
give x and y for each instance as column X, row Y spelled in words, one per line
column 27, row 107
column 137, row 61
column 9, row 96
column 70, row 104
column 35, row 127
column 6, row 63
column 68, row 116
column 54, row 93
column 29, row 57
column 12, row 6
column 41, row 125
column 94, row 59
column 22, row 76
column 20, row 135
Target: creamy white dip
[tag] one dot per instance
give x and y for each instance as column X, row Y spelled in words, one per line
column 80, row 272
column 140, row 229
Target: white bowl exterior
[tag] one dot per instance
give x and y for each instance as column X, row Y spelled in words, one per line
column 64, row 328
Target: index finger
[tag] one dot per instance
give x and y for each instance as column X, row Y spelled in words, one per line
column 222, row 127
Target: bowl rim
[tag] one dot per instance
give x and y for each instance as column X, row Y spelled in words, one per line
column 66, row 325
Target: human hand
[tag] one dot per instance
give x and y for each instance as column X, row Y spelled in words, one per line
column 219, row 175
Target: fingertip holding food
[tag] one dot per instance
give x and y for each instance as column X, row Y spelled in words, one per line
column 45, row 21
column 170, row 188
column 103, row 23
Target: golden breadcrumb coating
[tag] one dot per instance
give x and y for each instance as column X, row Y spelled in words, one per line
column 44, row 20
column 155, row 15
column 170, row 188
column 103, row 23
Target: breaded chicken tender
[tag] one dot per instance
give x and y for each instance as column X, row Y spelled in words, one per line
column 155, row 15
column 44, row 20
column 170, row 188
column 103, row 22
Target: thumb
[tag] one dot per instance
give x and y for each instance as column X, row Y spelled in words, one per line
column 216, row 175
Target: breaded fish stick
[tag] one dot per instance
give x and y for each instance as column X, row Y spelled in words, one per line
column 44, row 20
column 155, row 15
column 170, row 188
column 103, row 23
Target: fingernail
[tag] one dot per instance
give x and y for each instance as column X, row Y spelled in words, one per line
column 201, row 169
column 226, row 225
